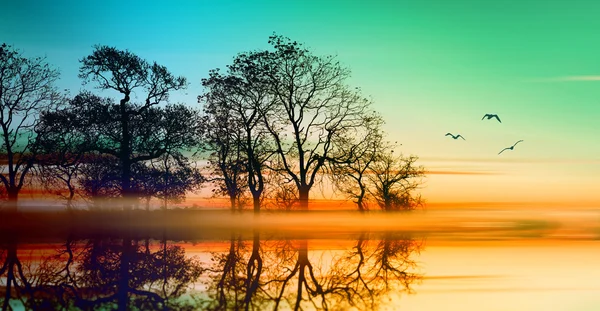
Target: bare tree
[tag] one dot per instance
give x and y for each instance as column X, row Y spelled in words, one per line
column 351, row 177
column 281, row 192
column 26, row 87
column 222, row 138
column 58, row 171
column 246, row 97
column 285, row 194
column 394, row 181
column 312, row 106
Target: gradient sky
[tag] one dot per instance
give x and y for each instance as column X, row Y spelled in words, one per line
column 430, row 67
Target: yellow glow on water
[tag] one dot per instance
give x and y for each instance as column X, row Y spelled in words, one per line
column 536, row 275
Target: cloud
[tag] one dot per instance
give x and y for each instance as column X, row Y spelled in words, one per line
column 435, row 172
column 568, row 78
column 511, row 160
column 509, row 289
column 459, row 277
column 580, row 78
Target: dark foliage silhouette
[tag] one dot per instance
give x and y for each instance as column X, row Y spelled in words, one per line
column 171, row 177
column 61, row 156
column 152, row 131
column 128, row 130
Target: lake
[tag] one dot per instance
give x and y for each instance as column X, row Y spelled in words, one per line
column 216, row 260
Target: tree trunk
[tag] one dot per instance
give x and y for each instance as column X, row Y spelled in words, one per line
column 303, row 197
column 303, row 264
column 13, row 199
column 11, row 258
column 253, row 270
column 70, row 202
column 126, row 184
column 232, row 203
column 124, row 155
column 123, row 284
column 256, row 201
column 361, row 197
column 71, row 196
column 387, row 201
column 359, row 203
column 165, row 271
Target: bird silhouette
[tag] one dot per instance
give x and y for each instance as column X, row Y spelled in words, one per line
column 511, row 147
column 455, row 136
column 490, row 116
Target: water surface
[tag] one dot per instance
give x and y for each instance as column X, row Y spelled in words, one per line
column 445, row 260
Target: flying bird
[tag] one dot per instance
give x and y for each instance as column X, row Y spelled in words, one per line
column 490, row 116
column 511, row 147
column 455, row 136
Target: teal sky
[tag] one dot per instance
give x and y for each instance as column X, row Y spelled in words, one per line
column 431, row 67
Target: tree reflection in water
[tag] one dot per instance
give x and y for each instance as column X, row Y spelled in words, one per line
column 132, row 274
column 102, row 274
column 284, row 275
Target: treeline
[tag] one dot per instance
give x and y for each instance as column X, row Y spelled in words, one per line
column 271, row 127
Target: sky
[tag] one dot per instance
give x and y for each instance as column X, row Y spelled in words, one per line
column 430, row 67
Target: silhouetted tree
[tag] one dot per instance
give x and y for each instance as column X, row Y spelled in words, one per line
column 154, row 131
column 245, row 97
column 222, row 138
column 283, row 192
column 57, row 171
column 98, row 179
column 145, row 182
column 351, row 177
column 394, row 180
column 172, row 177
column 134, row 131
column 312, row 105
column 26, row 88
column 61, row 154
